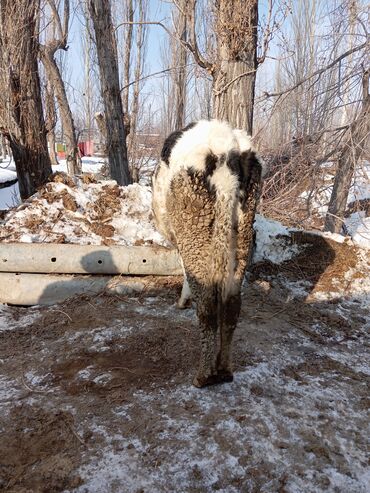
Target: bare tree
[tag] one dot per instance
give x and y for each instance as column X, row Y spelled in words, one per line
column 47, row 54
column 140, row 36
column 114, row 118
column 51, row 120
column 234, row 63
column 21, row 115
column 180, row 59
column 301, row 129
column 127, row 56
column 352, row 149
column 234, row 73
column 90, row 87
column 233, row 67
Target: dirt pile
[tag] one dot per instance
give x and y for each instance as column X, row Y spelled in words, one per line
column 85, row 211
column 322, row 265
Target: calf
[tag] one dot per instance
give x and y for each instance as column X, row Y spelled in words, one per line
column 205, row 192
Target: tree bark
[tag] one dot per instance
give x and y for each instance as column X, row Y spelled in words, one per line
column 21, row 114
column 51, row 119
column 54, row 76
column 107, row 58
column 100, row 121
column 234, row 75
column 134, row 117
column 3, row 146
column 352, row 150
column 181, row 57
column 127, row 57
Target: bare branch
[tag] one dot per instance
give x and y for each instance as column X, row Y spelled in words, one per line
column 226, row 86
column 188, row 45
column 65, row 22
column 156, row 73
column 267, row 35
column 316, row 73
column 192, row 46
column 56, row 16
column 363, row 25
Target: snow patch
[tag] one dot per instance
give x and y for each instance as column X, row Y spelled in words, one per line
column 358, row 226
column 271, row 241
column 7, row 322
column 88, row 213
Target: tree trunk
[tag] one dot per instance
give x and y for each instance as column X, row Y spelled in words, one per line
column 127, row 57
column 181, row 57
column 51, row 119
column 3, row 146
column 132, row 140
column 54, row 76
column 109, row 78
column 352, row 150
column 21, row 117
column 100, row 120
column 235, row 74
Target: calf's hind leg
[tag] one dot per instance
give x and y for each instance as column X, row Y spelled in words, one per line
column 229, row 318
column 207, row 315
column 185, row 298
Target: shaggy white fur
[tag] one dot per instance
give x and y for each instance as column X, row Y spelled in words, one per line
column 204, row 138
column 244, row 140
column 195, row 144
column 191, row 150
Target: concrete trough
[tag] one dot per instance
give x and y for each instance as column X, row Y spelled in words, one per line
column 88, row 259
column 48, row 289
column 33, row 273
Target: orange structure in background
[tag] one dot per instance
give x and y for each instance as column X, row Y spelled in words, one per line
column 86, row 148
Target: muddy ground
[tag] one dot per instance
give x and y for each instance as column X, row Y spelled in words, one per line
column 96, row 396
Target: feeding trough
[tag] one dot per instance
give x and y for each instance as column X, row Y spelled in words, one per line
column 49, row 273
column 44, row 255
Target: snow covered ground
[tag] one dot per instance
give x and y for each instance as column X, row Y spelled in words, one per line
column 86, row 212
column 95, row 397
column 90, row 164
column 7, row 170
column 356, row 224
column 95, row 393
column 9, row 196
column 82, row 211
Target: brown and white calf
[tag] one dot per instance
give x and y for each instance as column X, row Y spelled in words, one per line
column 205, row 192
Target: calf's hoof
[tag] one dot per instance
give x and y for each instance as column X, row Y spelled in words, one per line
column 225, row 376
column 204, row 381
column 201, row 381
column 183, row 304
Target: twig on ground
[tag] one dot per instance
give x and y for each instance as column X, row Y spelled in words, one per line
column 122, row 368
column 30, row 388
column 64, row 313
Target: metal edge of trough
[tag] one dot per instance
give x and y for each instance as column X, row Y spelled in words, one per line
column 51, row 258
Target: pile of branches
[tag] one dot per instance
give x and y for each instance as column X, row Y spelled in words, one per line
column 293, row 169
